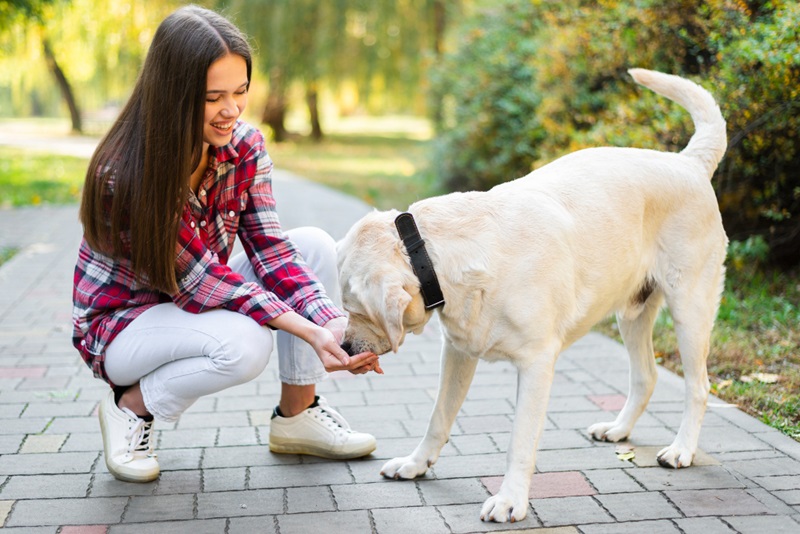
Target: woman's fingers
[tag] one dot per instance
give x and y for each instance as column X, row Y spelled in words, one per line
column 371, row 364
column 358, row 361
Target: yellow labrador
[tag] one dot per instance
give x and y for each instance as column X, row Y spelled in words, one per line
column 530, row 266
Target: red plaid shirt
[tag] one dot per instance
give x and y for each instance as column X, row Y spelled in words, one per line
column 234, row 198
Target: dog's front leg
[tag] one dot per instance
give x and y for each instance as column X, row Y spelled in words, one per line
column 455, row 377
column 533, row 392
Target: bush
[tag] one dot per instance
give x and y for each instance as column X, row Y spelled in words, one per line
column 532, row 81
column 489, row 128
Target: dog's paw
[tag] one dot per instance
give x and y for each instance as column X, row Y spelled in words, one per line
column 501, row 508
column 405, row 467
column 675, row 457
column 609, row 432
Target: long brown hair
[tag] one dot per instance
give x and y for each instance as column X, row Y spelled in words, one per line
column 138, row 179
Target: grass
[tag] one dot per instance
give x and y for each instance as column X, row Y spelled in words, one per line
column 33, row 178
column 386, row 169
column 755, row 346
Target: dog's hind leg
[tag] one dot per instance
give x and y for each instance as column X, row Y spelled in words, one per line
column 454, row 380
column 533, row 392
column 637, row 334
column 693, row 312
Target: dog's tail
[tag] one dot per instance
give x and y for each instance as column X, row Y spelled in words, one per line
column 709, row 141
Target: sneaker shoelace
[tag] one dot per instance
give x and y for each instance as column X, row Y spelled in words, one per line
column 333, row 414
column 139, row 437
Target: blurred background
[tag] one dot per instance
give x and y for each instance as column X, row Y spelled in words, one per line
column 396, row 100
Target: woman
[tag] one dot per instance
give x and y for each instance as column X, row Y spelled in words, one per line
column 160, row 312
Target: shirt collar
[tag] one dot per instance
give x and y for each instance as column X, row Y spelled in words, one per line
column 227, row 152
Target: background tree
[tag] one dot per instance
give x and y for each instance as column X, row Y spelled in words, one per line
column 32, row 15
column 380, row 47
column 98, row 46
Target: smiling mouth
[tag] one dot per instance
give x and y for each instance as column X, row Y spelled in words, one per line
column 222, row 126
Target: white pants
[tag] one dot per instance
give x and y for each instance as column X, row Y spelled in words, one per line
column 177, row 356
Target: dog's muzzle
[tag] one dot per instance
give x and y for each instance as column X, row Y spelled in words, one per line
column 348, row 348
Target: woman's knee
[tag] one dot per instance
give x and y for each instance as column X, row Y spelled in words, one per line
column 248, row 350
column 315, row 245
column 318, row 249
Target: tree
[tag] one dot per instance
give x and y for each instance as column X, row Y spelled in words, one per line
column 380, row 45
column 33, row 13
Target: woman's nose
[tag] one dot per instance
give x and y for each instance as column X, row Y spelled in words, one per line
column 231, row 108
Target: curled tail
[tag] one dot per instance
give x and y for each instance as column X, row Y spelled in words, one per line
column 709, row 141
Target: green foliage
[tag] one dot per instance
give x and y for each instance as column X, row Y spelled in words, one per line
column 752, row 251
column 570, row 58
column 100, row 44
column 490, row 130
column 376, row 48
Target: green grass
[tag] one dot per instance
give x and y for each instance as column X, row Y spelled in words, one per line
column 384, row 171
column 32, row 178
column 6, row 253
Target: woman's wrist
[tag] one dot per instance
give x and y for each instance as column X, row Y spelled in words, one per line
column 296, row 325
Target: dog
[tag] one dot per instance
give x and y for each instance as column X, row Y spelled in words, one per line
column 528, row 267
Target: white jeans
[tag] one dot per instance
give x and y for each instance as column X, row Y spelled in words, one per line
column 177, row 356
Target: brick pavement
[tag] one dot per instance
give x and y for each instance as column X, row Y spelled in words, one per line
column 219, row 476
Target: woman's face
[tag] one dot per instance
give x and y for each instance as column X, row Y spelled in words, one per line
column 226, row 98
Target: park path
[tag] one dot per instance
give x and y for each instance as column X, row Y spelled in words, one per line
column 218, row 475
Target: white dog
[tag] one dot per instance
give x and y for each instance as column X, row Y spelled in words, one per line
column 530, row 266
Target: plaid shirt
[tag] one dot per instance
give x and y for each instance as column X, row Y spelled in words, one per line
column 235, row 197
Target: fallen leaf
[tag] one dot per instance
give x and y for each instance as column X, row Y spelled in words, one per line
column 625, row 452
column 746, row 379
column 766, row 378
column 626, row 456
column 724, row 384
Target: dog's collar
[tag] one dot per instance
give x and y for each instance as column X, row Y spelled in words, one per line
column 420, row 261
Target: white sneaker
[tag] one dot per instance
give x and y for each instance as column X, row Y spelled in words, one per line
column 127, row 442
column 319, row 431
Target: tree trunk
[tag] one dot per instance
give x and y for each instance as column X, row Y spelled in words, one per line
column 274, row 114
column 313, row 111
column 439, row 26
column 64, row 86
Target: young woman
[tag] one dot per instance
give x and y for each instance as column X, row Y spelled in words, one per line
column 160, row 310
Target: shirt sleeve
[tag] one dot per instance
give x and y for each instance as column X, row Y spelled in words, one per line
column 275, row 259
column 204, row 283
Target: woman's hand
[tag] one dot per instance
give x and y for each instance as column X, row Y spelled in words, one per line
column 337, row 327
column 366, row 361
column 325, row 340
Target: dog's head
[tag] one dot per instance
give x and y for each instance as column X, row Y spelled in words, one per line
column 379, row 288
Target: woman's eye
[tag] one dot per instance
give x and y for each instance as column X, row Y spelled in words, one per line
column 211, row 101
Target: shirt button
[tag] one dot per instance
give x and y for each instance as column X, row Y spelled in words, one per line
column 191, row 224
column 83, row 342
column 202, row 192
column 231, row 213
column 203, row 224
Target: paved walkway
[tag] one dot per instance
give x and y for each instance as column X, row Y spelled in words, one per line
column 218, row 475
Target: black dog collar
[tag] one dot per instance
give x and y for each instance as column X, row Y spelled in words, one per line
column 420, row 261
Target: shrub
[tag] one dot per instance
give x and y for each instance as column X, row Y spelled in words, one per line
column 532, row 81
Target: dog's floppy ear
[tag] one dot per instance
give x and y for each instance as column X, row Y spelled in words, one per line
column 396, row 299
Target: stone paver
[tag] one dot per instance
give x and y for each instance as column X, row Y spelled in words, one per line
column 219, row 476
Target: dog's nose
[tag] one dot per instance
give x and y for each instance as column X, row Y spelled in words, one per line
column 348, row 348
